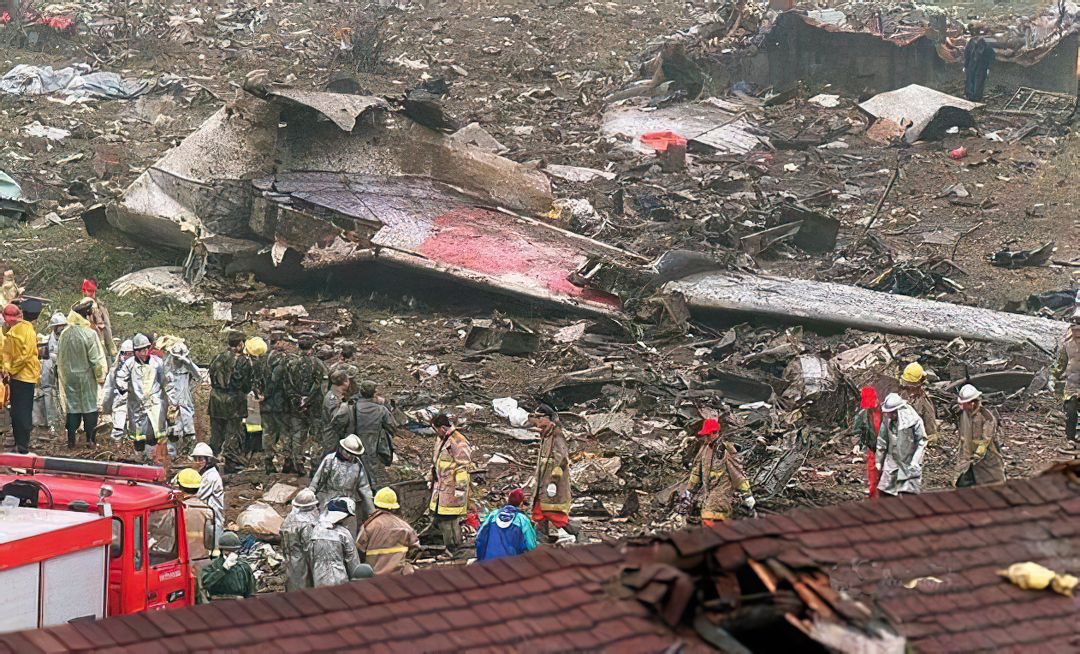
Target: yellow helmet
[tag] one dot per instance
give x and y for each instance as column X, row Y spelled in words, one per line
column 189, row 478
column 386, row 498
column 255, row 347
column 913, row 374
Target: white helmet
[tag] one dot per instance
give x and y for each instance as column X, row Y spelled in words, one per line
column 202, row 449
column 968, row 393
column 892, row 402
column 352, row 445
column 126, row 347
column 57, row 320
column 140, row 341
column 179, row 349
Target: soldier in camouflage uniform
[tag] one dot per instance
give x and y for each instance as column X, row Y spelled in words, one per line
column 305, row 382
column 273, row 396
column 230, row 382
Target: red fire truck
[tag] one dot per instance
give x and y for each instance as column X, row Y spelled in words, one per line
column 149, row 567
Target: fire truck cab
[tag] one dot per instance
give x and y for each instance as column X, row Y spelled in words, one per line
column 149, row 566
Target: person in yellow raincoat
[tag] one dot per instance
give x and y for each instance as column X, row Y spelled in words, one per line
column 81, row 366
column 717, row 473
column 450, row 467
column 21, row 368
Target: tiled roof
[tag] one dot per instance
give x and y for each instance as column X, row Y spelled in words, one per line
column 926, row 564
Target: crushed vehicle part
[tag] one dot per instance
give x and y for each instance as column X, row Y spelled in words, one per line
column 926, row 112
column 512, row 342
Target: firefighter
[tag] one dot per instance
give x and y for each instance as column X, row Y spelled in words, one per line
column 272, row 392
column 295, row 533
column 979, row 460
column 913, row 390
column 901, row 446
column 305, row 384
column 450, row 480
column 331, row 548
column 1066, row 375
column 199, row 519
column 375, row 427
column 144, row 381
column 212, row 489
column 718, row 473
column 227, row 577
column 230, row 382
column 341, row 474
column 185, row 376
column 113, row 399
column 552, row 500
column 385, row 539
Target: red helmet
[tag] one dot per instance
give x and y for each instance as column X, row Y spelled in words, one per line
column 709, row 427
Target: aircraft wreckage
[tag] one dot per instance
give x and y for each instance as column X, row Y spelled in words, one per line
column 319, row 180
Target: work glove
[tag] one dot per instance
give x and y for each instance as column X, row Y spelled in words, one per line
column 551, row 490
column 230, row 560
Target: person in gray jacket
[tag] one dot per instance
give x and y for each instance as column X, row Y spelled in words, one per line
column 295, row 534
column 375, row 427
column 342, row 474
column 331, row 548
column 144, row 379
column 901, row 445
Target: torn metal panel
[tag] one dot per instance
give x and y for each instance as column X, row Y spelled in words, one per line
column 340, row 108
column 163, row 281
column 799, row 300
column 703, row 123
column 928, row 112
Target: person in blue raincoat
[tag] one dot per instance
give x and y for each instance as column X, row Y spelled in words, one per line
column 506, row 532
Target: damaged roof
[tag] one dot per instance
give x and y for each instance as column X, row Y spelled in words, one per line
column 917, row 571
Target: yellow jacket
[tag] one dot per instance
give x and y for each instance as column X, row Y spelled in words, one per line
column 21, row 353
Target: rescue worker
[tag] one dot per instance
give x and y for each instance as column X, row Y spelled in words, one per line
column 331, row 548
column 335, row 418
column 114, row 399
column 47, row 382
column 450, row 480
column 9, row 290
column 212, row 488
column 255, row 355
column 913, row 390
column 979, row 461
column 272, row 392
column 230, row 382
column 552, row 500
column 341, row 474
column 1066, row 374
column 305, row 383
column 56, row 325
column 385, row 539
column 21, row 371
column 199, row 519
column 866, row 427
column 185, row 376
column 506, row 532
column 143, row 380
column 901, row 444
column 227, row 577
column 53, row 409
column 99, row 319
column 81, row 365
column 374, row 425
column 295, row 533
column 717, row 475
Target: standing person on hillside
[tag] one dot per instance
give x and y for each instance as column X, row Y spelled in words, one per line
column 913, row 390
column 901, row 445
column 272, row 406
column 199, row 518
column 374, row 425
column 81, row 365
column 1066, row 374
column 185, row 376
column 718, row 473
column 332, row 548
column 450, row 480
column 552, row 499
column 336, row 410
column 295, row 536
column 305, row 384
column 144, row 381
column 99, row 318
column 230, row 382
column 113, row 399
column 212, row 488
column 867, row 425
column 54, row 412
column 21, row 368
column 979, row 461
column 341, row 474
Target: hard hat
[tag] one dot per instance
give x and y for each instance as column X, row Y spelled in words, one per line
column 340, row 508
column 83, row 306
column 43, row 339
column 202, row 449
column 352, row 445
column 362, row 571
column 57, row 320
column 913, row 373
column 892, row 402
column 229, row 541
column 255, row 347
column 140, row 342
column 968, row 393
column 189, row 478
column 306, row 499
column 709, row 427
column 386, row 498
column 126, row 347
column 179, row 349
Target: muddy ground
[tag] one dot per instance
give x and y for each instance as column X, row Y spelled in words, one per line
column 535, row 75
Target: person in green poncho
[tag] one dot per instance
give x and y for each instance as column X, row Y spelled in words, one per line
column 81, row 367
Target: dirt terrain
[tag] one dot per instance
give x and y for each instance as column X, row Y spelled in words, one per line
column 535, row 76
